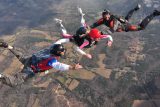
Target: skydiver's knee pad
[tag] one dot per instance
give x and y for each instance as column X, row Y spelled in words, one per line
column 131, row 28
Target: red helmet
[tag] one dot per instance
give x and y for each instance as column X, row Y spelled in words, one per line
column 94, row 33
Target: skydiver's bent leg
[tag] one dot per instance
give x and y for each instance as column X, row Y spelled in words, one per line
column 23, row 59
column 83, row 22
column 15, row 51
column 63, row 29
column 147, row 20
column 144, row 22
column 130, row 13
column 17, row 79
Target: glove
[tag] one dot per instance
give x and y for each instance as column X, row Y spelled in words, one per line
column 109, row 43
column 89, row 56
column 77, row 66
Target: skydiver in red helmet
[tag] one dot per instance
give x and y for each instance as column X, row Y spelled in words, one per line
column 85, row 37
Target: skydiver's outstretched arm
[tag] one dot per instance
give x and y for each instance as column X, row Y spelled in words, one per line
column 63, row 29
column 80, row 51
column 109, row 39
column 105, row 36
column 97, row 23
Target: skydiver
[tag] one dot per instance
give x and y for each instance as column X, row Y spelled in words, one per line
column 85, row 37
column 38, row 62
column 120, row 24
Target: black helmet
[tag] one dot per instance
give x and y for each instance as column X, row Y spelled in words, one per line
column 56, row 49
column 106, row 12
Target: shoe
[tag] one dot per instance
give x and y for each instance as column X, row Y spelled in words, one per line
column 156, row 13
column 8, row 80
column 58, row 20
column 2, row 75
column 3, row 44
column 137, row 7
column 80, row 11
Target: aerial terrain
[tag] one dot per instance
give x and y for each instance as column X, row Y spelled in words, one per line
column 124, row 75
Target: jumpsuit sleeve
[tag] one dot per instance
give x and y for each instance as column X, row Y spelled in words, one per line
column 61, row 41
column 97, row 23
column 109, row 37
column 58, row 66
column 79, row 50
column 84, row 44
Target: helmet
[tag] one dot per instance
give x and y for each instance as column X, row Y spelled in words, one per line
column 56, row 49
column 106, row 12
column 94, row 33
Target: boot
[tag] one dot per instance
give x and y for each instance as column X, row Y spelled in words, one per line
column 156, row 13
column 137, row 7
column 58, row 20
column 80, row 11
column 3, row 44
column 8, row 80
